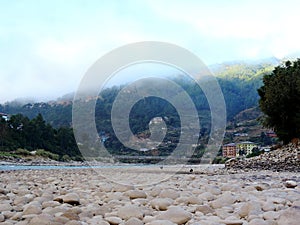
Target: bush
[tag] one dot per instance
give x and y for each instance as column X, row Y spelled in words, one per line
column 219, row 160
column 65, row 158
column 22, row 152
column 46, row 154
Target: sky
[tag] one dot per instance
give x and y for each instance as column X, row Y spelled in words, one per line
column 47, row 46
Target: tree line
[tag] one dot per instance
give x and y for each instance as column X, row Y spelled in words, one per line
column 20, row 132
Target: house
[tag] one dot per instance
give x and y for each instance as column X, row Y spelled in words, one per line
column 241, row 135
column 229, row 150
column 4, row 116
column 245, row 147
column 271, row 134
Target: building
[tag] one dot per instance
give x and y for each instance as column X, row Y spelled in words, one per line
column 4, row 116
column 229, row 150
column 245, row 147
column 271, row 134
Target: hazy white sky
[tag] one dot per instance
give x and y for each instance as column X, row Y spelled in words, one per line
column 47, row 46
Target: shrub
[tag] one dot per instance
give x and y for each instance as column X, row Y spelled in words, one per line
column 22, row 152
column 46, row 154
column 65, row 158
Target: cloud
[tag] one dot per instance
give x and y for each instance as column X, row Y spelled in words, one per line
column 46, row 47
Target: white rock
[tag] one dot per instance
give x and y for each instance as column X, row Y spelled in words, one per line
column 193, row 200
column 271, row 215
column 161, row 222
column 5, row 207
column 232, row 222
column 224, row 200
column 169, row 193
column 258, row 222
column 289, row 216
column 42, row 219
column 32, row 209
column 207, row 196
column 176, row 215
column 73, row 222
column 122, row 188
column 205, row 209
column 134, row 221
column 71, row 198
column 2, row 218
column 133, row 194
column 161, row 203
column 113, row 220
column 50, row 204
column 249, row 208
column 268, row 206
column 290, row 184
column 128, row 211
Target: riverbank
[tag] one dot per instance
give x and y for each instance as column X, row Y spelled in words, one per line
column 191, row 196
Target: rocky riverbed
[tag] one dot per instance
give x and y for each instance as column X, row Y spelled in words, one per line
column 286, row 158
column 190, row 196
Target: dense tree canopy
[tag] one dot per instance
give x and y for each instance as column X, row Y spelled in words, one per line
column 280, row 100
column 21, row 132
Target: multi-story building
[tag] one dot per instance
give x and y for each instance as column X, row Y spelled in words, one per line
column 245, row 148
column 229, row 150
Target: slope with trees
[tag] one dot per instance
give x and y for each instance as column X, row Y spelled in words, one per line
column 280, row 100
column 239, row 83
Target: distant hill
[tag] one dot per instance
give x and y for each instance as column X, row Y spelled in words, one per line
column 239, row 82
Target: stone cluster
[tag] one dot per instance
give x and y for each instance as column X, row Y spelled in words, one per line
column 286, row 158
column 83, row 197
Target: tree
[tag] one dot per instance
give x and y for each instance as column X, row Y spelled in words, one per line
column 280, row 100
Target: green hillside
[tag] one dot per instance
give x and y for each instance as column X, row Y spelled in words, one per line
column 239, row 83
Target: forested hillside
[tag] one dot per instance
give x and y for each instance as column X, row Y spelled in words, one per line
column 239, row 83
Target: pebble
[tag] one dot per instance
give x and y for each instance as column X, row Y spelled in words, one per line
column 290, row 184
column 290, row 216
column 134, row 221
column 176, row 215
column 128, row 211
column 133, row 194
column 71, row 198
column 75, row 197
column 161, row 203
column 113, row 220
column 161, row 222
column 169, row 194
